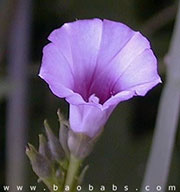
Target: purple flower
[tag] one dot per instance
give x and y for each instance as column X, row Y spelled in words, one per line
column 94, row 65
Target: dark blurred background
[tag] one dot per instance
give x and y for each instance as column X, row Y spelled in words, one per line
column 121, row 154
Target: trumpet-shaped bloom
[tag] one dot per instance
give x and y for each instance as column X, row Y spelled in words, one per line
column 95, row 64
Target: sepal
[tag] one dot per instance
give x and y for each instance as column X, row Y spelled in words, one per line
column 80, row 145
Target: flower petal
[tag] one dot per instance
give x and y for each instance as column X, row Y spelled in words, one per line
column 59, row 37
column 105, row 78
column 83, row 38
column 88, row 119
column 119, row 97
column 114, row 37
column 56, row 71
column 140, row 75
column 55, row 68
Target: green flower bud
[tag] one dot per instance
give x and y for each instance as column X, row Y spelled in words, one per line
column 41, row 165
column 44, row 148
column 63, row 132
column 54, row 144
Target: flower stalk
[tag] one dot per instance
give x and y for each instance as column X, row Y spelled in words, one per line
column 73, row 172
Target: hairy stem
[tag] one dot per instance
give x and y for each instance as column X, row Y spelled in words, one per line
column 72, row 173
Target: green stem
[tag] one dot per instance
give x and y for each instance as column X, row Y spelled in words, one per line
column 72, row 173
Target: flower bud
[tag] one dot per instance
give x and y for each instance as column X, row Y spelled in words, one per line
column 54, row 144
column 41, row 165
column 80, row 145
column 63, row 132
column 44, row 148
